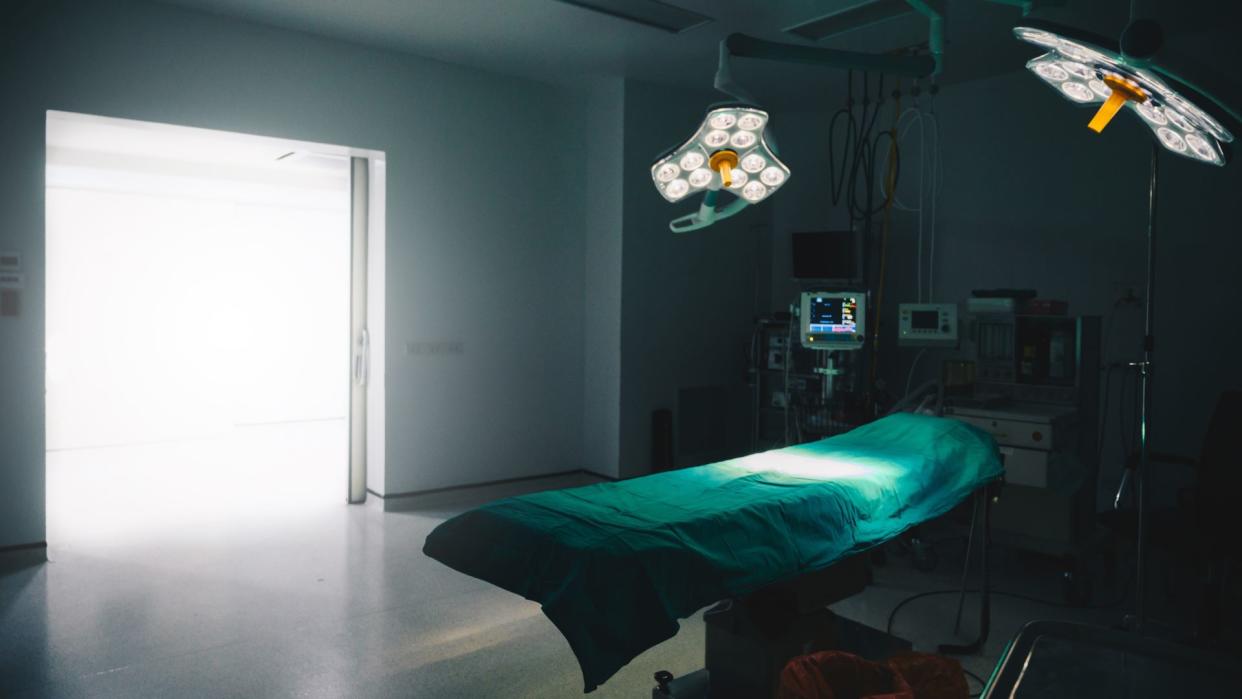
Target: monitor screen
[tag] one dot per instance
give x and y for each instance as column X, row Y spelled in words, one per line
column 833, row 314
column 925, row 320
column 831, row 255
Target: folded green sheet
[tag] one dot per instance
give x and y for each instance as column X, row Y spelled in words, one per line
column 615, row 565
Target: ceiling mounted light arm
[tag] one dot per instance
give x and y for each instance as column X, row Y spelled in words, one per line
column 707, row 214
column 1207, row 84
column 910, row 66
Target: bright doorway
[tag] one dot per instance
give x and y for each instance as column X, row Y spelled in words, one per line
column 199, row 349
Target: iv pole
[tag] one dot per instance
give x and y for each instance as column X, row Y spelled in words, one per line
column 1145, row 370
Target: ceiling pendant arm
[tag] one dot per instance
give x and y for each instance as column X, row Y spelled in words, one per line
column 1205, row 86
column 707, row 214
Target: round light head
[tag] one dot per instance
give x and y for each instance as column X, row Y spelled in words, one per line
column 723, row 120
column 1171, row 139
column 1203, row 148
column 692, row 160
column 1100, row 87
column 667, row 172
column 716, row 139
column 1051, row 71
column 1078, row 70
column 754, row 191
column 1151, row 113
column 750, row 121
column 677, row 188
column 772, row 177
column 753, row 163
column 1077, row 91
column 700, row 178
column 743, row 139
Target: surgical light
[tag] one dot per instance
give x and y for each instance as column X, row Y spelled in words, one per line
column 1085, row 73
column 731, row 143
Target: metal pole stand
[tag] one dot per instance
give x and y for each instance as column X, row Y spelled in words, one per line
column 1138, row 621
column 982, row 510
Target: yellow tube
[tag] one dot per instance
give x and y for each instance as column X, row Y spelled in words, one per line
column 1107, row 111
column 723, row 161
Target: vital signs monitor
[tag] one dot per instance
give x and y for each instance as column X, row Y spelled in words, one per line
column 834, row 320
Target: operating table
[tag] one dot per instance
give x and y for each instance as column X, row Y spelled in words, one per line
column 615, row 565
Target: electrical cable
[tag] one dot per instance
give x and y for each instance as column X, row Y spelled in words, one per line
column 976, row 678
column 931, row 168
column 793, row 319
column 913, row 366
column 892, row 176
column 855, row 167
column 935, row 194
column 1000, row 593
column 1102, row 425
column 918, row 275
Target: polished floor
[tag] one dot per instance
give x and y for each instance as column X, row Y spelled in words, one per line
column 269, row 597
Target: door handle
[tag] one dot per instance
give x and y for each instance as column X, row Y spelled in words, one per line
column 362, row 358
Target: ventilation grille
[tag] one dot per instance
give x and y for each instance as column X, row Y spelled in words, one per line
column 851, row 18
column 648, row 13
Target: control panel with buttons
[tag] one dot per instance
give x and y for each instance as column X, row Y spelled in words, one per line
column 927, row 324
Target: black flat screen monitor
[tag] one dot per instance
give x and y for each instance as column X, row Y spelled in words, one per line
column 834, row 257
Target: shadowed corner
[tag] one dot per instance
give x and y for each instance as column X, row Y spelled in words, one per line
column 23, row 619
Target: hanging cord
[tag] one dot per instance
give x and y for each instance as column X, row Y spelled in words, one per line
column 866, row 158
column 793, row 320
column 913, row 365
column 931, row 168
column 853, row 147
column 837, row 175
column 891, row 182
column 936, row 179
column 918, row 275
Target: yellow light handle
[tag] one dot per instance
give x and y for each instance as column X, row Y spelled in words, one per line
column 1107, row 111
column 723, row 161
column 1122, row 91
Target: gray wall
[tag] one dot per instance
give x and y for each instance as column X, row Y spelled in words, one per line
column 603, row 138
column 688, row 300
column 484, row 239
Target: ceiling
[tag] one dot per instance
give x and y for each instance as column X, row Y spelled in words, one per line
column 561, row 43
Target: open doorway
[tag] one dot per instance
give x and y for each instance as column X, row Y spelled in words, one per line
column 199, row 344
